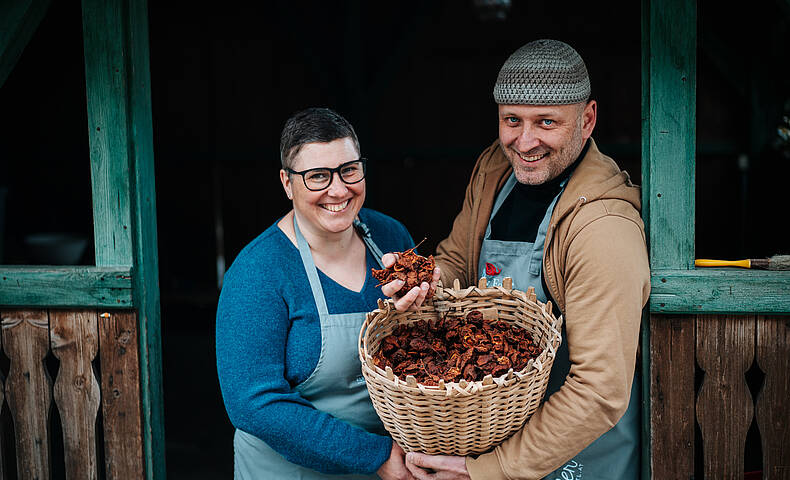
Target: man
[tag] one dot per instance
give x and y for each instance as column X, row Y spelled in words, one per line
column 545, row 207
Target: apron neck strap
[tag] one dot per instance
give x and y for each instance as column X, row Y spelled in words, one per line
column 312, row 272
column 364, row 232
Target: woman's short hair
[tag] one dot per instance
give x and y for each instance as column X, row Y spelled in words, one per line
column 312, row 125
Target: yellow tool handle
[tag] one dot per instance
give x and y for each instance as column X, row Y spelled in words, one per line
column 705, row 262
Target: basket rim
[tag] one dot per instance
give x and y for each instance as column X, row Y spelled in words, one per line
column 463, row 387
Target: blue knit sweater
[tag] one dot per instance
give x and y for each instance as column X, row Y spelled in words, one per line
column 269, row 341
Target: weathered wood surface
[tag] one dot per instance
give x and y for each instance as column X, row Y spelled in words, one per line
column 2, row 406
column 120, row 384
column 106, row 79
column 669, row 89
column 79, row 287
column 672, row 395
column 28, row 388
column 75, row 342
column 773, row 401
column 719, row 290
column 146, row 257
column 19, row 20
column 115, row 35
column 725, row 351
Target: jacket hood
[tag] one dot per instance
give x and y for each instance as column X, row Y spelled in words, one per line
column 597, row 177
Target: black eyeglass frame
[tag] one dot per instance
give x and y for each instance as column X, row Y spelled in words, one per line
column 332, row 172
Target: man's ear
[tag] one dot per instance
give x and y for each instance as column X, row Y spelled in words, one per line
column 589, row 117
column 285, row 179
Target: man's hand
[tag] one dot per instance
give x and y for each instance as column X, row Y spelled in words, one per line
column 443, row 467
column 414, row 297
column 395, row 467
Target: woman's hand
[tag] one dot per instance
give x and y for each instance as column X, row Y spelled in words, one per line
column 414, row 297
column 437, row 467
column 395, row 466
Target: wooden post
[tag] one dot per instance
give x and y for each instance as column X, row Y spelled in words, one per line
column 669, row 41
column 28, row 388
column 121, row 139
column 672, row 394
column 123, row 438
column 75, row 342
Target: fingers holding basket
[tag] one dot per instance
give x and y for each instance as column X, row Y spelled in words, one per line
column 437, row 467
column 395, row 466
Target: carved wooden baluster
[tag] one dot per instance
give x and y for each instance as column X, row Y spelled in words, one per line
column 725, row 350
column 28, row 388
column 773, row 406
column 120, row 386
column 75, row 342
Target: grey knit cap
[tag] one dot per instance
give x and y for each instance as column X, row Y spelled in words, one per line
column 543, row 72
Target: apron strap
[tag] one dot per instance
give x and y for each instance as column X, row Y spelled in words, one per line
column 364, row 232
column 312, row 272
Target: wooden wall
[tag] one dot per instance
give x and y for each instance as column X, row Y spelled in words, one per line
column 85, row 365
column 724, row 348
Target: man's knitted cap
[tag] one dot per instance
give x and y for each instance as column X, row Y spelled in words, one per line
column 543, row 72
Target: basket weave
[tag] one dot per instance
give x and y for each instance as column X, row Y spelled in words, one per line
column 466, row 417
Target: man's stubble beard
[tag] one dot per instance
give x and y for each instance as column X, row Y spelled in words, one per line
column 559, row 159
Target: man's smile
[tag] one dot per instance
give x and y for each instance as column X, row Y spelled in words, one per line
column 531, row 158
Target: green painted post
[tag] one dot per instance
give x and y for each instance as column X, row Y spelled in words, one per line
column 668, row 131
column 146, row 278
column 18, row 22
column 121, row 140
column 106, row 75
column 669, row 43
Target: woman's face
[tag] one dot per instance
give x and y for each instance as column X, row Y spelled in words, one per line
column 334, row 208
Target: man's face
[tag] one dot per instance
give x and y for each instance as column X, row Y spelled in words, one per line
column 543, row 140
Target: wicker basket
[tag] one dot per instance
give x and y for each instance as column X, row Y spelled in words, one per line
column 465, row 417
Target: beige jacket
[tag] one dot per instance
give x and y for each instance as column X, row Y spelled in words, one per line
column 596, row 268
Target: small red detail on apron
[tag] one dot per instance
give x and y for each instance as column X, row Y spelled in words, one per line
column 492, row 270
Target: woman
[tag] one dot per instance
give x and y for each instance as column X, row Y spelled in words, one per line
column 289, row 317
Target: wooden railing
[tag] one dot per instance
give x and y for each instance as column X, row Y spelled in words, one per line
column 724, row 347
column 96, row 391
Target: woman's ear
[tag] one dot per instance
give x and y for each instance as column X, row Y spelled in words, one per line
column 285, row 179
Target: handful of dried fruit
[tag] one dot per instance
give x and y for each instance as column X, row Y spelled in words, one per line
column 452, row 349
column 413, row 269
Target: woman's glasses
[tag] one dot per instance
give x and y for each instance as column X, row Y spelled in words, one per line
column 316, row 179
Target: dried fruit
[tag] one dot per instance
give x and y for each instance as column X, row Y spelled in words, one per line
column 453, row 348
column 413, row 269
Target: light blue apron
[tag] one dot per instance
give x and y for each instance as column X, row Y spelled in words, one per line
column 615, row 454
column 336, row 386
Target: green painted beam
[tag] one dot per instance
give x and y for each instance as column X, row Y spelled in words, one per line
column 106, row 75
column 18, row 22
column 668, row 130
column 720, row 290
column 119, row 116
column 146, row 280
column 45, row 286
